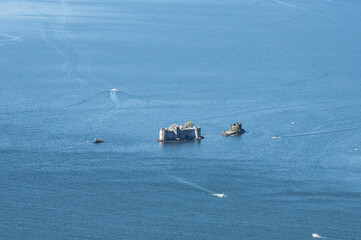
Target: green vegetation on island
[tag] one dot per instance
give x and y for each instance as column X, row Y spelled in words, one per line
column 188, row 124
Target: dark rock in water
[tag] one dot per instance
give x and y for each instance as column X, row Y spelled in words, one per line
column 234, row 130
column 98, row 141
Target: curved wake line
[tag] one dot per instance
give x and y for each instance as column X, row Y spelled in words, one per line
column 63, row 21
column 65, row 64
column 319, row 133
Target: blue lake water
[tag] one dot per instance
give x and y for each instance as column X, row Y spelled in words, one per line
column 266, row 63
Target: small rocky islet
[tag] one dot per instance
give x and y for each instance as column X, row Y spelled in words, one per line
column 234, row 130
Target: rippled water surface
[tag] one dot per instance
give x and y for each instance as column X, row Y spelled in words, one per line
column 266, row 63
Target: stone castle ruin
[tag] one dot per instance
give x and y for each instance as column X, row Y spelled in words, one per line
column 176, row 133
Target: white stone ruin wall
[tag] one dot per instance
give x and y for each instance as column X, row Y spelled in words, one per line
column 198, row 132
column 161, row 135
column 186, row 134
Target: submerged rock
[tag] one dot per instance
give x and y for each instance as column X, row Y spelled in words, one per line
column 234, row 130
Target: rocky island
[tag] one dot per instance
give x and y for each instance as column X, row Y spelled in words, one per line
column 234, row 130
column 180, row 133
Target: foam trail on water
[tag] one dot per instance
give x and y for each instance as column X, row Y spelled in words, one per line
column 115, row 99
column 132, row 96
column 305, row 10
column 315, row 235
column 194, row 185
column 64, row 12
column 61, row 52
column 139, row 100
column 10, row 38
column 290, row 5
column 319, row 133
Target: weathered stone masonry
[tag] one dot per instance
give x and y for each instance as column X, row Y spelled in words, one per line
column 179, row 133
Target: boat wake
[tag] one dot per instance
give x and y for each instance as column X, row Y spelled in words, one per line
column 115, row 99
column 315, row 235
column 318, row 133
column 86, row 99
column 118, row 97
column 196, row 186
column 290, row 5
column 191, row 184
column 9, row 38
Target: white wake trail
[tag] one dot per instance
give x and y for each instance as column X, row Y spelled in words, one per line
column 61, row 52
column 315, row 235
column 65, row 12
column 115, row 99
column 306, row 10
column 191, row 184
column 318, row 133
column 290, row 5
column 10, row 38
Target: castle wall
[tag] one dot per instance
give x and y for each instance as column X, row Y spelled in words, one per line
column 169, row 135
column 187, row 134
column 179, row 134
column 197, row 132
column 161, row 134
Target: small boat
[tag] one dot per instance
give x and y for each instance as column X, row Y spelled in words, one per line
column 220, row 195
column 98, row 141
column 113, row 90
column 315, row 235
